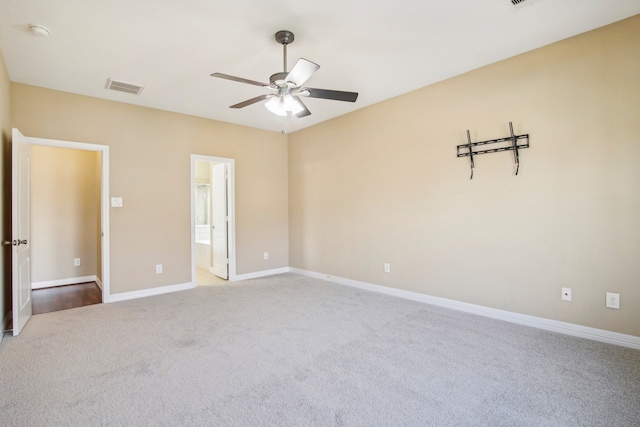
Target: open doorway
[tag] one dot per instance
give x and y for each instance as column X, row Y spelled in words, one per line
column 65, row 228
column 213, row 220
column 21, row 280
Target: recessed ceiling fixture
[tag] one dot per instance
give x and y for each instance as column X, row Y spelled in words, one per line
column 285, row 101
column 113, row 84
column 40, row 30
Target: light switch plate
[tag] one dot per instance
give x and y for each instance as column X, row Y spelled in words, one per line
column 116, row 202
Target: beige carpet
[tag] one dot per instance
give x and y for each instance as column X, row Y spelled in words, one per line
column 293, row 351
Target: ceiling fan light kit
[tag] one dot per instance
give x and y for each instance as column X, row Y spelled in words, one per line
column 284, row 105
column 287, row 85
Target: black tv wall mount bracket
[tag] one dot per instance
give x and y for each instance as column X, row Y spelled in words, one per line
column 514, row 143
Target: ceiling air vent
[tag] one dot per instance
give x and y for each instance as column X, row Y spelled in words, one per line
column 124, row 87
column 520, row 3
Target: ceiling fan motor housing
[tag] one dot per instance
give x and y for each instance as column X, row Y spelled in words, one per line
column 278, row 79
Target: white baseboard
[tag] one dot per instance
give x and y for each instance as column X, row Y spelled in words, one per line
column 262, row 273
column 61, row 282
column 123, row 296
column 98, row 282
column 601, row 335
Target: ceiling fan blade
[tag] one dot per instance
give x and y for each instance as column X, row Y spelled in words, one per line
column 238, row 79
column 336, row 95
column 305, row 112
column 301, row 72
column 251, row 101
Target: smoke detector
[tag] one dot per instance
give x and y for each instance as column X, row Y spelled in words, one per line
column 40, row 30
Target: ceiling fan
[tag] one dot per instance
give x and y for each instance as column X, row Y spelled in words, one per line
column 287, row 86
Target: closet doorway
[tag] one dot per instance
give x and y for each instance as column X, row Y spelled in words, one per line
column 66, row 228
column 47, row 273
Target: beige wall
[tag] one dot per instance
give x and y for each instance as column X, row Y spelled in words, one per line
column 384, row 185
column 150, row 169
column 5, row 151
column 65, row 189
column 203, row 172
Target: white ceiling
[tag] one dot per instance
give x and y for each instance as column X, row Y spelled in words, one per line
column 379, row 48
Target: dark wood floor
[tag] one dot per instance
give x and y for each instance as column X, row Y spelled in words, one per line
column 64, row 297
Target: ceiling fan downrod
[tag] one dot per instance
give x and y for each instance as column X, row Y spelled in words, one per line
column 284, row 37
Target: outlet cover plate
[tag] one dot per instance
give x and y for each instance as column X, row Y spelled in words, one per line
column 566, row 294
column 613, row 300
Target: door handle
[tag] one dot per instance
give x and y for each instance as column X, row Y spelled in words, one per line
column 15, row 242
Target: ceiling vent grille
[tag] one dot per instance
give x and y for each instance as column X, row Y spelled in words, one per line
column 520, row 3
column 124, row 87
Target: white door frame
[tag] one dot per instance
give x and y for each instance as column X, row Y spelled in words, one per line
column 231, row 207
column 104, row 150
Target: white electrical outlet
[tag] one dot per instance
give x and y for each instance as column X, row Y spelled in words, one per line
column 566, row 294
column 116, row 202
column 613, row 300
column 387, row 267
column 266, row 255
column 76, row 262
column 158, row 268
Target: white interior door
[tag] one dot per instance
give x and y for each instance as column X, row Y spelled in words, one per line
column 21, row 240
column 219, row 220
